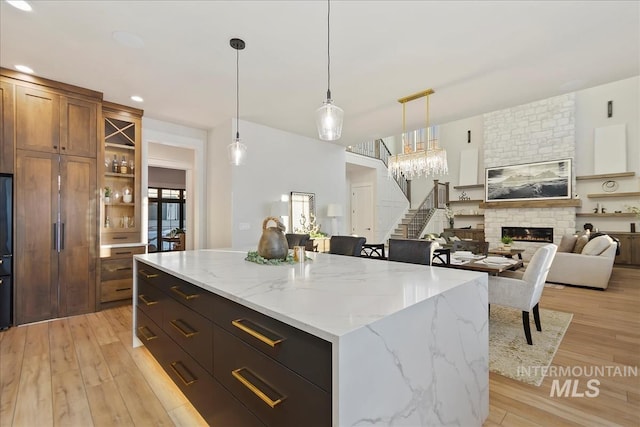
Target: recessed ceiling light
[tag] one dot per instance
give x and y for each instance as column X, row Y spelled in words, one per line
column 128, row 39
column 137, row 98
column 24, row 69
column 20, row 4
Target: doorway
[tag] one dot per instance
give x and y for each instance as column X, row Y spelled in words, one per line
column 362, row 211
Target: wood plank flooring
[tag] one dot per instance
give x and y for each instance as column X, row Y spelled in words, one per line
column 82, row 371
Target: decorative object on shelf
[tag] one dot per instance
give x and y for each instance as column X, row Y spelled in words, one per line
column 464, row 196
column 115, row 165
column 329, row 116
column 450, row 214
column 124, row 165
column 237, row 151
column 127, row 194
column 273, row 243
column 532, row 181
column 609, row 186
column 506, row 241
column 430, row 160
column 633, row 227
column 107, row 194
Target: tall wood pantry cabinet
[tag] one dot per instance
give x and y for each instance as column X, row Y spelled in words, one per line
column 55, row 128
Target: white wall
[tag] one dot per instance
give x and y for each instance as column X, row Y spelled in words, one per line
column 278, row 162
column 390, row 202
column 179, row 147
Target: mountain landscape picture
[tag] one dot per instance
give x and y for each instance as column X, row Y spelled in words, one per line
column 532, row 181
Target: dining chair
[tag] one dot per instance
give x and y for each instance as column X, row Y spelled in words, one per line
column 296, row 239
column 373, row 250
column 346, row 245
column 411, row 250
column 524, row 294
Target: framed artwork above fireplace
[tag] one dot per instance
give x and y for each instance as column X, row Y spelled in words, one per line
column 531, row 181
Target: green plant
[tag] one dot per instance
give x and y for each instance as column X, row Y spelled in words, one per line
column 506, row 240
column 107, row 191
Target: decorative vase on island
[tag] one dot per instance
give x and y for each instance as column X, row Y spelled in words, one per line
column 273, row 243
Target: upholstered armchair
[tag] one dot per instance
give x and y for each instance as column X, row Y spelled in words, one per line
column 411, row 251
column 524, row 294
column 346, row 245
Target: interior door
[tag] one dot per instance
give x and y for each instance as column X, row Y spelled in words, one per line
column 35, row 257
column 77, row 257
column 362, row 211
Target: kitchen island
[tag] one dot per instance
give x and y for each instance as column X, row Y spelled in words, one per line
column 336, row 340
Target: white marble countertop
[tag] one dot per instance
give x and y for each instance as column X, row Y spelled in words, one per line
column 329, row 296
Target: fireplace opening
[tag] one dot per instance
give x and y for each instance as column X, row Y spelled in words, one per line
column 529, row 234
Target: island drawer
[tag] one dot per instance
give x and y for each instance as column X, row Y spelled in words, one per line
column 278, row 396
column 300, row 351
column 192, row 296
column 150, row 301
column 192, row 332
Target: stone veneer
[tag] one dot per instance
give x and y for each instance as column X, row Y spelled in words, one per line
column 539, row 131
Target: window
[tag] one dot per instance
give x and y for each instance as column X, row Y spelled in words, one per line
column 166, row 213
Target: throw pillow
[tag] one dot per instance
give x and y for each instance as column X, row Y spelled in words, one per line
column 597, row 246
column 580, row 243
column 567, row 243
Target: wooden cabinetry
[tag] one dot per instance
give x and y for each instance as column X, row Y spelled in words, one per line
column 120, row 217
column 629, row 248
column 116, row 272
column 237, row 367
column 55, row 126
column 7, row 143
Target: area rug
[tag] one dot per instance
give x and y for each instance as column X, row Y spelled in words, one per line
column 509, row 353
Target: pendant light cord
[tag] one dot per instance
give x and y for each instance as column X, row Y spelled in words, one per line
column 237, row 94
column 328, row 50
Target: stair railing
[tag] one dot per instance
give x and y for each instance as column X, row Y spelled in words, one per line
column 437, row 198
column 377, row 149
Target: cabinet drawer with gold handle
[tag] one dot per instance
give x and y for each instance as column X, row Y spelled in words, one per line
column 190, row 331
column 299, row 351
column 277, row 395
column 151, row 301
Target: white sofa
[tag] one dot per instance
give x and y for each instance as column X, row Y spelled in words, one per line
column 590, row 267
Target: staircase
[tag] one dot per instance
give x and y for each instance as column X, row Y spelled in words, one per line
column 415, row 220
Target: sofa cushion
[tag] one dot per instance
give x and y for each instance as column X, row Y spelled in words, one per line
column 581, row 241
column 597, row 246
column 567, row 243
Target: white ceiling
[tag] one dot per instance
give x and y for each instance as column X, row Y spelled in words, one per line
column 478, row 56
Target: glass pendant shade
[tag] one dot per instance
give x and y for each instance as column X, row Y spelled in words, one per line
column 237, row 152
column 329, row 121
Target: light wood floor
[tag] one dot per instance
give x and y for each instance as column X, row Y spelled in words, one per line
column 82, row 371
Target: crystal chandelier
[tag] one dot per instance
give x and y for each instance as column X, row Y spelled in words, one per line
column 429, row 160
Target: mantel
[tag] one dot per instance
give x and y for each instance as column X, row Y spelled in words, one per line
column 515, row 204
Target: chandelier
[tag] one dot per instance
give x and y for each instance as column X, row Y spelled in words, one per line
column 415, row 162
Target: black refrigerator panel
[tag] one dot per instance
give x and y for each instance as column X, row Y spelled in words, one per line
column 6, row 251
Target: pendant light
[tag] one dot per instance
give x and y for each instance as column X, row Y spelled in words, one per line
column 237, row 150
column 329, row 116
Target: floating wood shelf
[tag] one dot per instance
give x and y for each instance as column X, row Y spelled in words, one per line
column 605, row 176
column 532, row 204
column 465, row 187
column 455, row 202
column 623, row 194
column 613, row 214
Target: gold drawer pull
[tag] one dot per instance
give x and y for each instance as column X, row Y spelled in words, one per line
column 122, row 289
column 238, row 323
column 177, row 290
column 174, row 366
column 150, row 336
column 180, row 329
column 148, row 275
column 146, row 302
column 254, row 389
